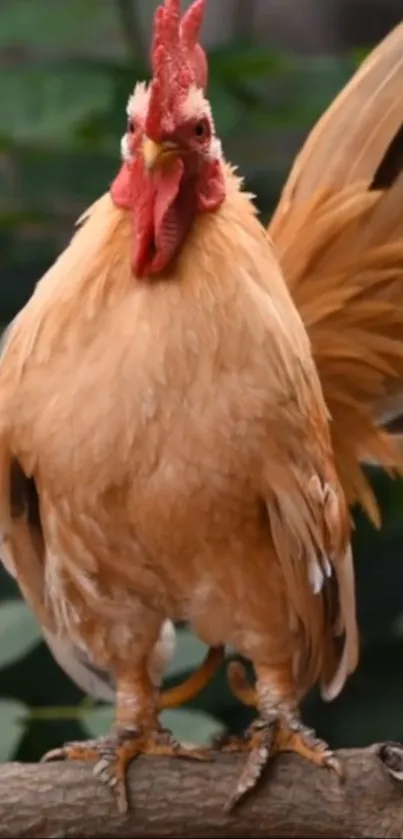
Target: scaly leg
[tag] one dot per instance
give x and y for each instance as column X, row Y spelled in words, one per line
column 277, row 729
column 137, row 732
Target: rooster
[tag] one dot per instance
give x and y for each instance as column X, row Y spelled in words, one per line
column 338, row 235
column 165, row 448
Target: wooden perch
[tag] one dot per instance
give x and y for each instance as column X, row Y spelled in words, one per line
column 179, row 798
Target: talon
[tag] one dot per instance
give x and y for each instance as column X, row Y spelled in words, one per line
column 72, row 751
column 293, row 736
column 267, row 737
column 53, row 754
column 332, row 762
column 260, row 744
column 113, row 755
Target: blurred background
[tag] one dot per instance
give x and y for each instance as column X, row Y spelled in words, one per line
column 67, row 68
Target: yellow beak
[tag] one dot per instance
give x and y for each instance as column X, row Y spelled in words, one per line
column 154, row 152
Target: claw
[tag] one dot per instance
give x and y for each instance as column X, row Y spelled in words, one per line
column 53, row 754
column 333, row 763
column 261, row 746
column 294, row 736
column 265, row 739
column 115, row 753
column 87, row 750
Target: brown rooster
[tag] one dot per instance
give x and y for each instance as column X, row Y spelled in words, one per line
column 165, row 450
column 338, row 233
column 339, row 238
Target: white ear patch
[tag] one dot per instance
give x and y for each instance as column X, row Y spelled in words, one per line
column 125, row 152
column 137, row 105
column 195, row 106
column 136, row 110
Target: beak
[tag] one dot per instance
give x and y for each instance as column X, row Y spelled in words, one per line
column 154, row 153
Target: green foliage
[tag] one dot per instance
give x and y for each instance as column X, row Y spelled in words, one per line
column 68, row 68
column 19, row 632
column 11, row 715
column 186, row 725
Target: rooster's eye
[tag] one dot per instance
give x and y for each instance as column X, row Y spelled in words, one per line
column 200, row 129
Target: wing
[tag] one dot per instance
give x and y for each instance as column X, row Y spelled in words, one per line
column 310, row 527
column 338, row 233
column 22, row 544
column 23, row 555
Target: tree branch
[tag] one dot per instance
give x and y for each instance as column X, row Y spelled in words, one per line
column 179, row 798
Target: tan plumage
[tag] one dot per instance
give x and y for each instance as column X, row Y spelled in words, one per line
column 177, row 474
column 338, row 233
column 165, row 448
column 43, row 347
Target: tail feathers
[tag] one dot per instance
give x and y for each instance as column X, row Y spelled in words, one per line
column 350, row 142
column 390, row 414
column 338, row 234
column 342, row 255
column 334, row 678
column 310, row 526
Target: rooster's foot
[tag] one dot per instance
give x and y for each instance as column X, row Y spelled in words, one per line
column 115, row 752
column 293, row 736
column 267, row 737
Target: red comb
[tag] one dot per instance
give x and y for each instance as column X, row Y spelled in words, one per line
column 178, row 60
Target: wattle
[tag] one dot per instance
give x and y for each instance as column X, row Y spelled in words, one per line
column 160, row 209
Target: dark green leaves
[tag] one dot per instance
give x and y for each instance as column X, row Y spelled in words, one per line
column 19, row 631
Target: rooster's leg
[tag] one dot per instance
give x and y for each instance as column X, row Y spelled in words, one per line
column 136, row 732
column 277, row 729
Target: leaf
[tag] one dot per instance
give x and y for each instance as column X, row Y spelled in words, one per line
column 226, row 110
column 98, row 721
column 369, row 709
column 230, row 61
column 192, row 726
column 45, row 105
column 324, row 76
column 64, row 180
column 186, row 725
column 19, row 631
column 91, row 27
column 11, row 727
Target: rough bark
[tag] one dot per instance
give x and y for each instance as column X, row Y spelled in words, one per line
column 185, row 799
